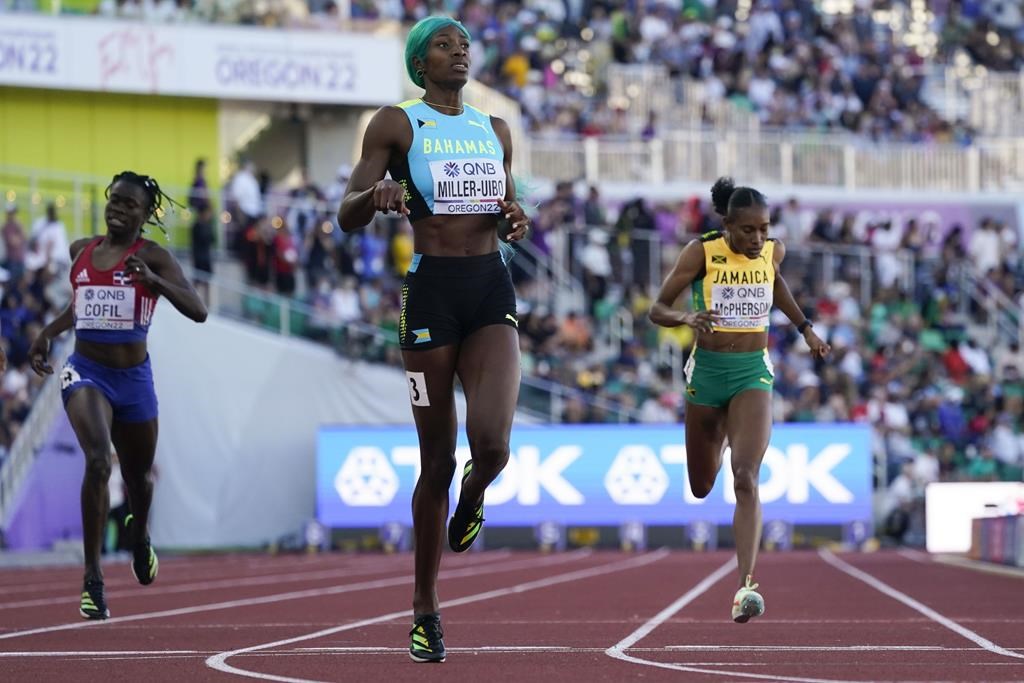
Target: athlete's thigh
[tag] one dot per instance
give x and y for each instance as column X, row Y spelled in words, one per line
column 430, row 378
column 489, row 370
column 91, row 416
column 749, row 427
column 135, row 443
column 705, row 435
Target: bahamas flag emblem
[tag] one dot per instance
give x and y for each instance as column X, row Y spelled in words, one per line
column 422, row 335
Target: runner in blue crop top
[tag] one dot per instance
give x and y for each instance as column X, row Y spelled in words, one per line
column 450, row 173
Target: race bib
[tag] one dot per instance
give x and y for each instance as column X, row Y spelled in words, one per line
column 99, row 307
column 468, row 185
column 742, row 307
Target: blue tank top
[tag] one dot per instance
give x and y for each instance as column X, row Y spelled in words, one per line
column 455, row 165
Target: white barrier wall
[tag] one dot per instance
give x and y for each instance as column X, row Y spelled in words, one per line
column 239, row 414
column 950, row 507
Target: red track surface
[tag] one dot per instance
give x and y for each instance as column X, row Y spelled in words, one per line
column 520, row 617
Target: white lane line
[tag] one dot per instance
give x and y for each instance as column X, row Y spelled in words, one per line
column 913, row 604
column 291, row 577
column 101, row 653
column 618, row 651
column 497, row 649
column 219, row 661
column 667, row 613
column 201, row 582
column 472, row 571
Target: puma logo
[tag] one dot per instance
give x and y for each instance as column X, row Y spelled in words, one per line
column 477, row 124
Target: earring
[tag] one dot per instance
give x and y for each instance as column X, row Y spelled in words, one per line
column 419, row 73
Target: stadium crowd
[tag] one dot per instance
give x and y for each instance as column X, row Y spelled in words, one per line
column 906, row 360
column 34, row 264
column 793, row 64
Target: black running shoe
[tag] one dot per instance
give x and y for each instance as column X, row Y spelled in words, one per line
column 465, row 524
column 93, row 604
column 145, row 563
column 427, row 644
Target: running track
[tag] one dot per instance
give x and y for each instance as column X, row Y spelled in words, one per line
column 577, row 617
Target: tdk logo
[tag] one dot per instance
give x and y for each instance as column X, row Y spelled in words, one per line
column 638, row 475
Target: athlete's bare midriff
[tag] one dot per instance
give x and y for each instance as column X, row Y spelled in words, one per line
column 455, row 235
column 733, row 342
column 124, row 355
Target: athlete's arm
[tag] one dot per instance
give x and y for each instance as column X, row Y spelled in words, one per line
column 368, row 191
column 787, row 304
column 156, row 268
column 511, row 209
column 689, row 266
column 39, row 350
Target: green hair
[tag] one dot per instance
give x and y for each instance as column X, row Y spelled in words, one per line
column 419, row 38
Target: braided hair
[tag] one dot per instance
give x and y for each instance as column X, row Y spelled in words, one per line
column 153, row 192
column 726, row 197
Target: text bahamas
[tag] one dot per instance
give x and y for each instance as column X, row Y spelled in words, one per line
column 448, row 146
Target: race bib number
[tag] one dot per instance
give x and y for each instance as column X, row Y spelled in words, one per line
column 99, row 307
column 742, row 307
column 468, row 185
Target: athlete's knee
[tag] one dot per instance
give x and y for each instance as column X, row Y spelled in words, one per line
column 745, row 481
column 490, row 454
column 437, row 466
column 97, row 468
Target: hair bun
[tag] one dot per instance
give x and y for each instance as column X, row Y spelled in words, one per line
column 721, row 191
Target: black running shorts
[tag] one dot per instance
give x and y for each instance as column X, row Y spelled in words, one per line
column 447, row 298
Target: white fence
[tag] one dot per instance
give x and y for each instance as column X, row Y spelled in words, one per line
column 783, row 159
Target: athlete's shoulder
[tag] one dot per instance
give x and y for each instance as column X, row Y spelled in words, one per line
column 79, row 245
column 711, row 236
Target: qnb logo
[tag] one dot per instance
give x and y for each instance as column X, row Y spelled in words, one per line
column 366, row 478
column 90, row 295
column 451, row 169
column 636, row 477
column 728, row 293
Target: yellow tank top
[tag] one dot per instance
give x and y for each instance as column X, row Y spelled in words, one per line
column 739, row 288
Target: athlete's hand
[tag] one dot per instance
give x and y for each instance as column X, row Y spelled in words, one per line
column 38, row 352
column 517, row 217
column 3, row 361
column 138, row 271
column 819, row 349
column 389, row 196
column 702, row 321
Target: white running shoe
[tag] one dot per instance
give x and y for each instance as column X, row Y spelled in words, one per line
column 747, row 603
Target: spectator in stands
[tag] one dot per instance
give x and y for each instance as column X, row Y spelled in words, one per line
column 49, row 242
column 202, row 241
column 246, row 193
column 14, row 243
column 199, row 193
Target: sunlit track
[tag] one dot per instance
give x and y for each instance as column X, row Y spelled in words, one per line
column 517, row 616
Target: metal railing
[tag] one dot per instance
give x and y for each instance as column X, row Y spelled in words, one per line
column 787, row 159
column 364, row 341
column 31, row 434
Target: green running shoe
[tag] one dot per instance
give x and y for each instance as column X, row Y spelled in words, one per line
column 427, row 644
column 94, row 603
column 145, row 563
column 465, row 524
